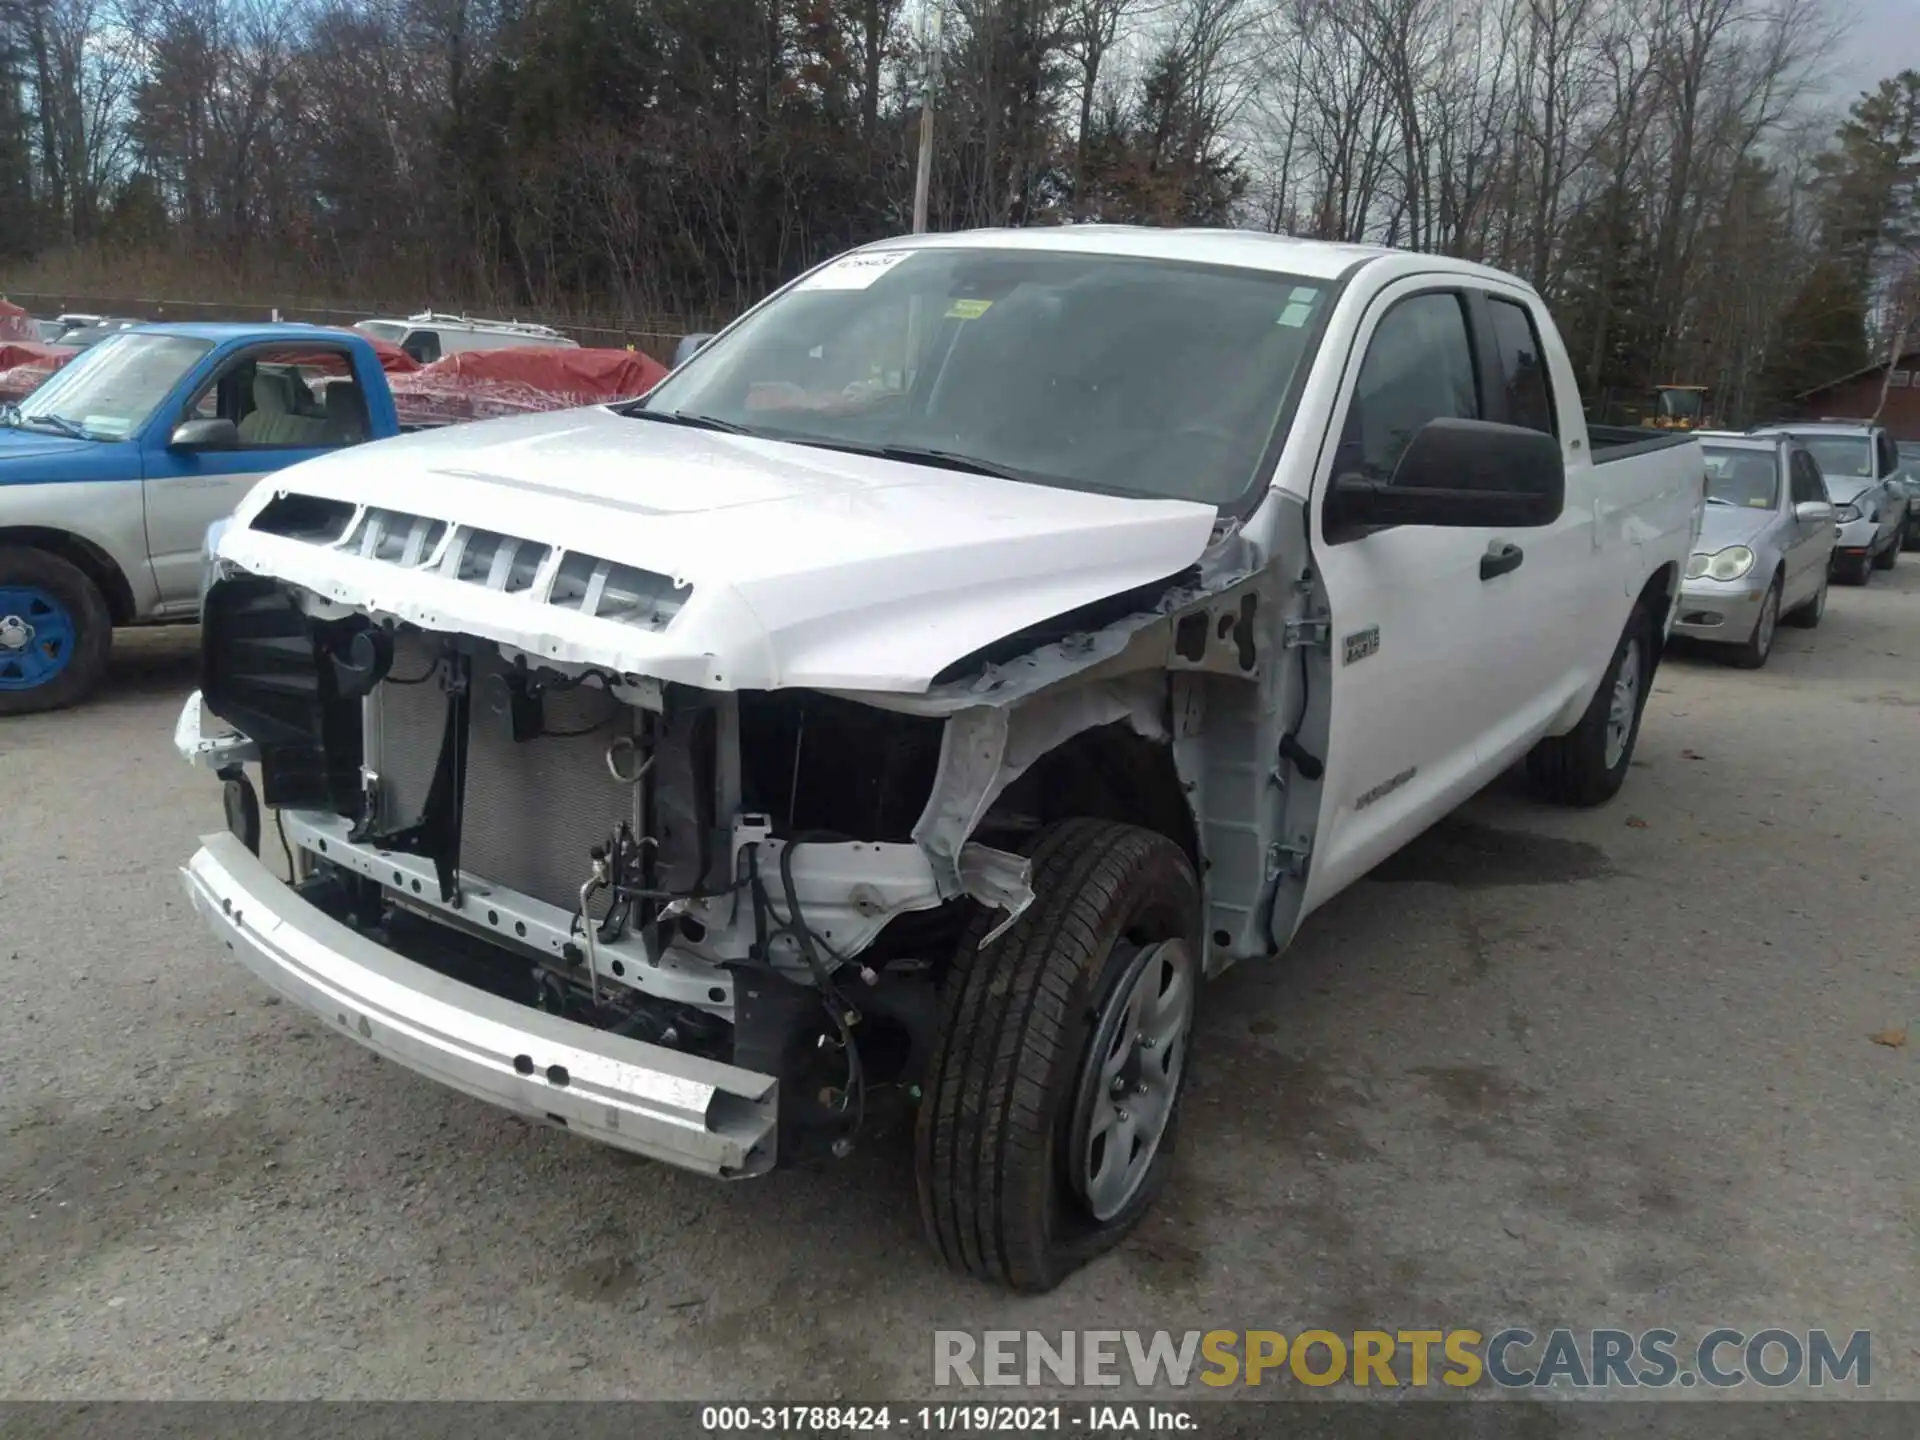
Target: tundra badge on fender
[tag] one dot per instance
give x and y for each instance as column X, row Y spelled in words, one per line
column 1359, row 645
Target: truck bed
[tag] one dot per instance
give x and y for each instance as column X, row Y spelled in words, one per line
column 1617, row 442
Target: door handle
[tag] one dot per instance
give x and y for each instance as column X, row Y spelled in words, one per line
column 1501, row 557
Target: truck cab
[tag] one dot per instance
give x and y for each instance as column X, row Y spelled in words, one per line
column 112, row 470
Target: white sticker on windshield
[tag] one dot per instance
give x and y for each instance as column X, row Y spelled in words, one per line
column 853, row 272
column 1295, row 315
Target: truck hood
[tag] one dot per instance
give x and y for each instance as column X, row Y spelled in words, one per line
column 780, row 565
column 22, row 444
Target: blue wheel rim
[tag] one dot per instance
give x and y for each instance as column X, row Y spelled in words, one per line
column 37, row 637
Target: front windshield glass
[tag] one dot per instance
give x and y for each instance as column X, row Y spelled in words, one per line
column 1841, row 457
column 1681, row 404
column 391, row 330
column 1747, row 478
column 110, row 389
column 1141, row 377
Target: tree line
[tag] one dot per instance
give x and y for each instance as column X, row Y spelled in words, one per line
column 1666, row 171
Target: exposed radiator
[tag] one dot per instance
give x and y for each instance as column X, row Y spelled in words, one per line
column 532, row 810
column 404, row 720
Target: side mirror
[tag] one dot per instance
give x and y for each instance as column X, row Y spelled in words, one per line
column 205, row 435
column 1814, row 512
column 1463, row 474
column 689, row 346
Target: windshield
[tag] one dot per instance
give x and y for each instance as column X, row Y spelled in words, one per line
column 1141, row 377
column 109, row 390
column 391, row 330
column 1841, row 458
column 1681, row 404
column 1747, row 478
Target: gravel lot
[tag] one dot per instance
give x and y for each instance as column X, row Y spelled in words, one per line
column 1609, row 1068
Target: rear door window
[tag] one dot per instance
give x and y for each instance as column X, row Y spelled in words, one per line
column 1807, row 484
column 1889, row 457
column 1523, row 366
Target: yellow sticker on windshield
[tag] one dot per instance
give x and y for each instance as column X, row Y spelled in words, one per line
column 1759, row 502
column 968, row 309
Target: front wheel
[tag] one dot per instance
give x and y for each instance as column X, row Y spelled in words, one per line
column 1588, row 764
column 1809, row 615
column 1054, row 1091
column 55, row 631
column 1753, row 654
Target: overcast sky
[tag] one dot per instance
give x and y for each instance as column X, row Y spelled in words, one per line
column 1884, row 39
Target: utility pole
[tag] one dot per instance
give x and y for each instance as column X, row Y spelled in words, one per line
column 929, row 77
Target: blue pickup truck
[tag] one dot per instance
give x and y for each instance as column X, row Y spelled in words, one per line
column 111, row 472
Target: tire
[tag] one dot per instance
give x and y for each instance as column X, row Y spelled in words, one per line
column 55, row 632
column 1010, row 1117
column 1808, row 615
column 1753, row 654
column 1576, row 768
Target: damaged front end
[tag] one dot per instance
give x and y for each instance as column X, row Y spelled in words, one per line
column 707, row 924
column 729, row 876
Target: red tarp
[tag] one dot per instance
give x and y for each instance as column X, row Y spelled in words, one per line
column 393, row 359
column 483, row 384
column 16, row 324
column 24, row 364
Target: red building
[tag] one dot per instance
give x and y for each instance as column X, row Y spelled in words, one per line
column 1857, row 396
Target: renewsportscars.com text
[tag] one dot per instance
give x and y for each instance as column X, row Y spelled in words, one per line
column 1508, row 1359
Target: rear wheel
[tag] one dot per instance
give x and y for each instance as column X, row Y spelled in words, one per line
column 1053, row 1095
column 55, row 632
column 1587, row 765
column 1753, row 654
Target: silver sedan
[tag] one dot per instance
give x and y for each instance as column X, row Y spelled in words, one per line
column 1764, row 549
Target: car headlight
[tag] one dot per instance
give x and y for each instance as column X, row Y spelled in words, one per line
column 1728, row 564
column 208, row 545
column 1846, row 514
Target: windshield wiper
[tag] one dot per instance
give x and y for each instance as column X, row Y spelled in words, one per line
column 73, row 430
column 692, row 422
column 1716, row 500
column 918, row 455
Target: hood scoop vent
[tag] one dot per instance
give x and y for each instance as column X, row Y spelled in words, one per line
column 568, row 579
column 616, row 592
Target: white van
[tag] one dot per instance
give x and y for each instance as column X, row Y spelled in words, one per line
column 427, row 336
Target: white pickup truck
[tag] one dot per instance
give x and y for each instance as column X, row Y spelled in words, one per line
column 901, row 711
